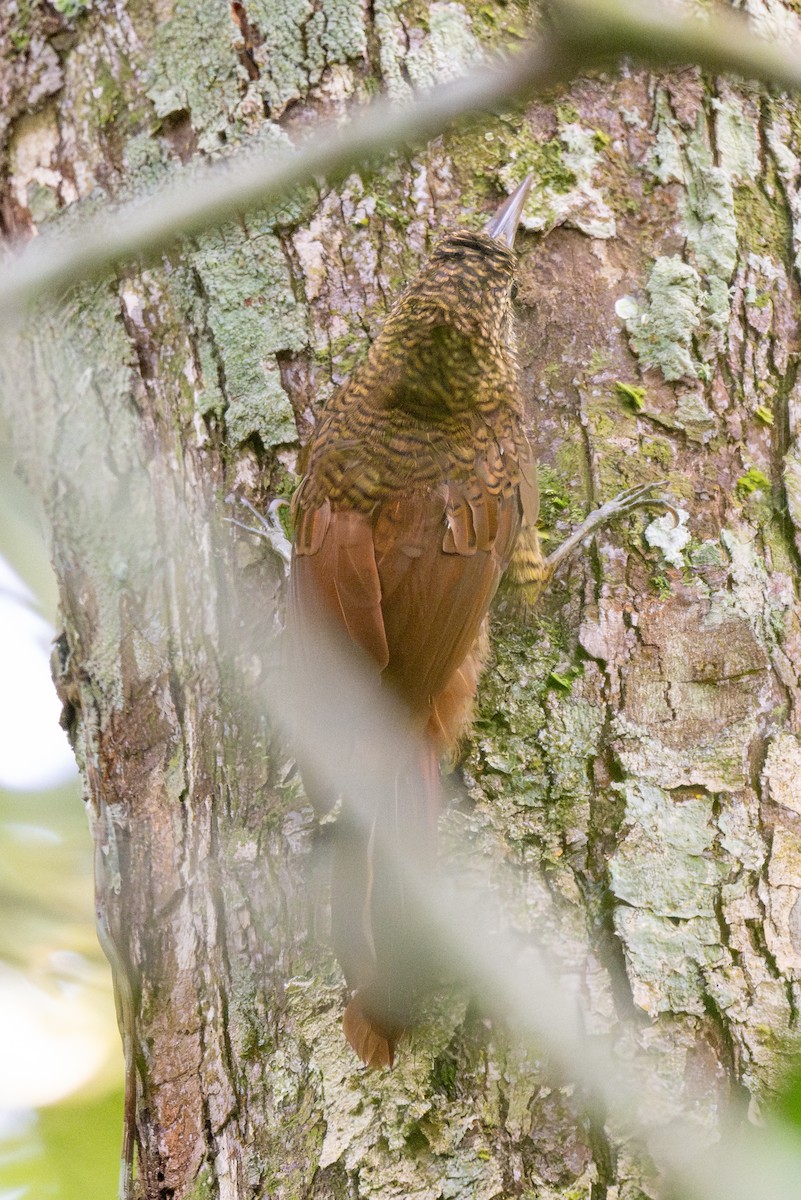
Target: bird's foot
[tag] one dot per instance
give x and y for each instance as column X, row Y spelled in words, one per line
column 269, row 527
column 644, row 495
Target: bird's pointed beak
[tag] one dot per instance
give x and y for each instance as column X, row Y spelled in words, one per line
column 503, row 225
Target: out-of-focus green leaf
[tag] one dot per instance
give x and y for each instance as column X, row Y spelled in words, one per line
column 46, row 901
column 69, row 1151
column 788, row 1104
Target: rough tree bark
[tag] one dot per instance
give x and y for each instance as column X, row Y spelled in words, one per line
column 637, row 749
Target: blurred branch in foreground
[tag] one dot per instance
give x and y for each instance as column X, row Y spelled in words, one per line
column 584, row 34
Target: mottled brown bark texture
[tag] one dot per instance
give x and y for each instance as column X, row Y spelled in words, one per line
column 631, row 790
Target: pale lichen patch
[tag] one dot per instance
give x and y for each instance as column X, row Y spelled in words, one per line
column 738, row 822
column 670, row 535
column 422, row 54
column 763, row 599
column 779, row 137
column 710, row 229
column 774, row 22
column 709, row 218
column 664, row 160
column 682, row 829
column 662, row 333
column 736, row 133
column 252, row 314
column 782, row 898
column 35, row 181
column 193, row 66
column 300, row 40
column 667, row 923
column 449, row 48
column 665, row 959
column 694, row 415
column 782, row 772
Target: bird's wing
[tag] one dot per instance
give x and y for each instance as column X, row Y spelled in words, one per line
column 411, row 583
column 440, row 556
column 334, row 578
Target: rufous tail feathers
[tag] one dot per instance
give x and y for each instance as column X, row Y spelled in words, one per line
column 376, row 918
column 373, row 1041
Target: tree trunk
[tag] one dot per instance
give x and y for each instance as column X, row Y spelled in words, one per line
column 637, row 745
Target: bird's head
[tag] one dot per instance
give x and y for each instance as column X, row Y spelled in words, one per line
column 452, row 328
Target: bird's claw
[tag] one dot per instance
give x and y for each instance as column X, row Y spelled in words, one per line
column 269, row 527
column 642, row 495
